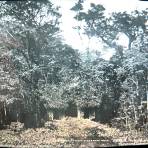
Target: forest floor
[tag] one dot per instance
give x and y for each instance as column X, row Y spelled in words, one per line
column 72, row 132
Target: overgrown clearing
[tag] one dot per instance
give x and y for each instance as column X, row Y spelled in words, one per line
column 72, row 132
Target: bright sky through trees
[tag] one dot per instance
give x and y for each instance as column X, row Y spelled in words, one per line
column 82, row 42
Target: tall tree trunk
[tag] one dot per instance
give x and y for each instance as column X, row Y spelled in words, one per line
column 5, row 113
column 86, row 113
column 97, row 116
column 129, row 44
column 78, row 112
column 147, row 93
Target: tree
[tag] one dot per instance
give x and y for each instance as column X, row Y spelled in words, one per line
column 43, row 63
column 10, row 87
column 131, row 24
column 29, row 26
column 60, row 76
column 96, row 24
column 118, row 71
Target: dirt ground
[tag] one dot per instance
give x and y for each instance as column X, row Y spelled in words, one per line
column 72, row 132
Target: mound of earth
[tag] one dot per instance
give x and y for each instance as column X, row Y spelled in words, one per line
column 72, row 132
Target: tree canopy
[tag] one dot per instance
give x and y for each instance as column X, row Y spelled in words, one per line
column 49, row 73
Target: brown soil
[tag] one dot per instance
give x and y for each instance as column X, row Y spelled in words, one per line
column 72, row 132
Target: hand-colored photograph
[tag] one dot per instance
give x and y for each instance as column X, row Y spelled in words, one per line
column 73, row 73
